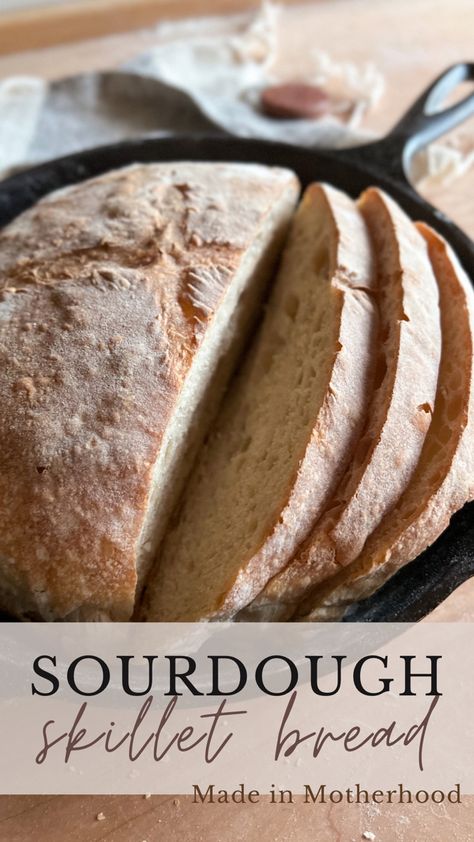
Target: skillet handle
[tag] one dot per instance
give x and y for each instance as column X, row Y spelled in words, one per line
column 422, row 123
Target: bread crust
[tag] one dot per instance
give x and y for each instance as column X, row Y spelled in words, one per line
column 342, row 413
column 334, row 433
column 440, row 487
column 398, row 414
column 107, row 290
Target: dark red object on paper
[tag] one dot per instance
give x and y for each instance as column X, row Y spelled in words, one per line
column 295, row 100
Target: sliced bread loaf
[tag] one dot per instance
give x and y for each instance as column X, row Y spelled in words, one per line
column 444, row 478
column 287, row 428
column 398, row 415
column 124, row 301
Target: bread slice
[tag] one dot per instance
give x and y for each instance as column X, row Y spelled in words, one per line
column 124, row 301
column 287, row 427
column 399, row 413
column 444, row 478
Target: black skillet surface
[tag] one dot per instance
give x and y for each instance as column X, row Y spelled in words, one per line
column 418, row 588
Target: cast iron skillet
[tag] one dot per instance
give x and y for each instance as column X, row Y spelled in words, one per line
column 418, row 588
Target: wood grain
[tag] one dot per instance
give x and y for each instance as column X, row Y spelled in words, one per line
column 30, row 29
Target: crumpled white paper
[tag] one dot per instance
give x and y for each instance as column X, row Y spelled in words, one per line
column 203, row 75
column 224, row 73
column 21, row 100
column 439, row 164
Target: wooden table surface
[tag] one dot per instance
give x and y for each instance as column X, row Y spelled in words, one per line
column 411, row 41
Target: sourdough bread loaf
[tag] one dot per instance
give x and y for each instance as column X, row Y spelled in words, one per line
column 444, row 477
column 399, row 412
column 287, row 428
column 123, row 303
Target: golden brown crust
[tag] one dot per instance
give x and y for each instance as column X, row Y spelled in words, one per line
column 106, row 291
column 397, row 418
column 444, row 480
